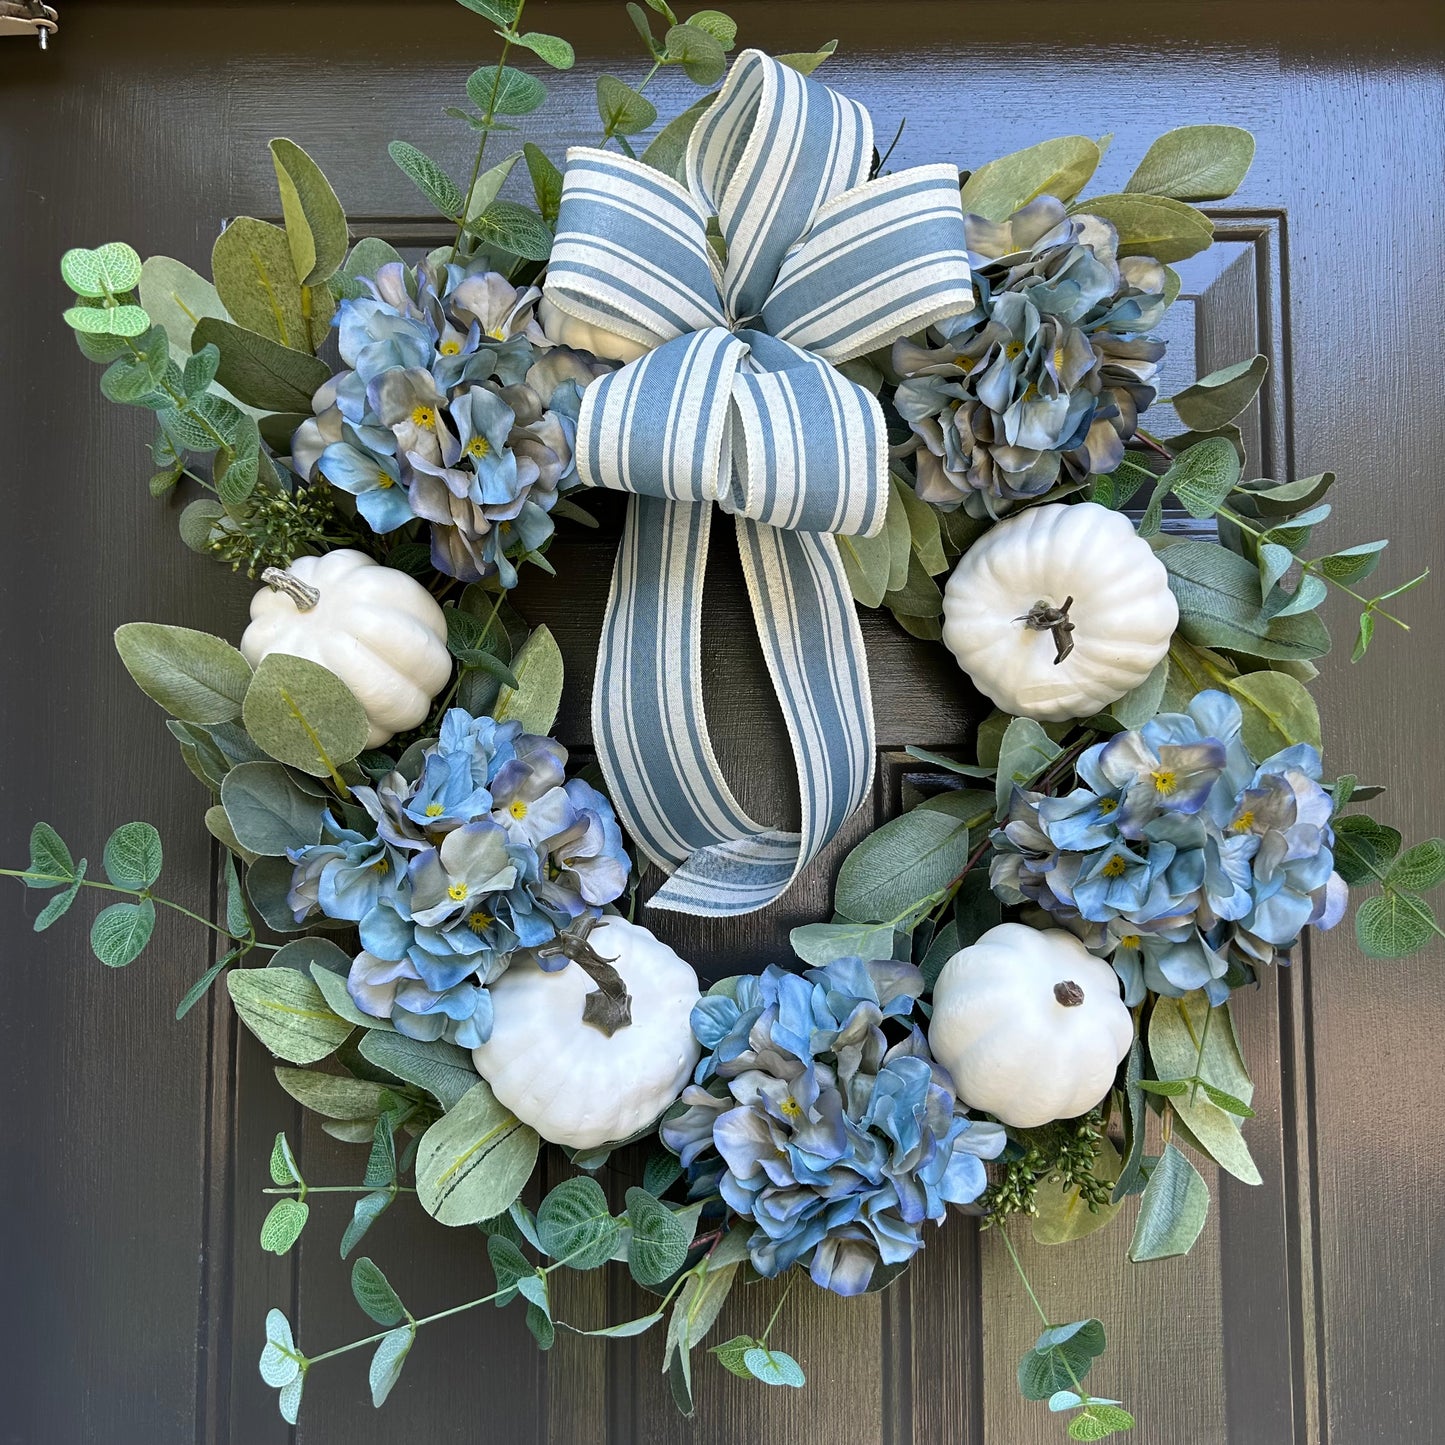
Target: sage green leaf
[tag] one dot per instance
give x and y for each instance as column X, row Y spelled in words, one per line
column 1098, row 1420
column 700, row 53
column 1140, row 704
column 283, row 1225
column 1286, row 499
column 1062, row 1356
column 257, row 283
column 261, row 372
column 1062, row 1216
column 333, row 1096
column 1173, row 1210
column 315, row 222
column 442, row 1069
column 1216, row 399
column 133, row 856
column 1131, row 1172
column 198, row 523
column 919, row 600
column 1394, row 924
column 473, row 1162
column 660, row 1238
column 551, row 48
column 304, row 715
column 538, row 668
column 373, row 1292
column 575, row 1224
column 429, row 178
column 1307, row 596
column 489, row 184
column 1214, row 1132
column 1274, row 561
column 546, row 181
column 1364, row 848
column 668, row 148
column 1117, row 488
column 899, row 538
column 286, row 1011
column 1219, row 601
column 539, row 1322
column 820, row 943
column 1420, row 868
column 805, row 62
column 1365, row 635
column 624, row 111
column 176, row 298
column 924, row 531
column 510, row 227
column 900, row 865
column 1175, row 1028
column 366, row 1211
column 338, row 999
column 194, row 676
column 505, row 90
column 49, row 858
column 279, row 1365
column 773, row 1367
column 198, row 374
column 499, row 12
column 1195, row 163
column 1278, row 711
column 111, row 269
column 1153, row 226
column 867, row 562
column 386, row 1363
column 268, row 812
column 730, row 1355
column 120, row 933
column 59, row 905
column 1024, row 752
column 509, row 1265
column 1352, row 564
column 1059, row 168
column 107, row 320
column 698, row 1307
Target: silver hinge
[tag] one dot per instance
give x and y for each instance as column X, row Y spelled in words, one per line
column 28, row 17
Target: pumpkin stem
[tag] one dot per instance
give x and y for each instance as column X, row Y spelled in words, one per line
column 1068, row 993
column 301, row 593
column 1043, row 616
column 609, row 1006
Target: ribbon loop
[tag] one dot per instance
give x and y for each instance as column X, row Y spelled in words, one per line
column 739, row 403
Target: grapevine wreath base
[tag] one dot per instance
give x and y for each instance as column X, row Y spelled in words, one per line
column 906, row 397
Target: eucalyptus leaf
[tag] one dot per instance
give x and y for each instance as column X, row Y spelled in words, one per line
column 315, row 222
column 773, row 1367
column 1154, row 226
column 1141, row 703
column 867, row 563
column 1277, row 710
column 1420, row 868
column 1394, row 924
column 551, row 48
column 668, row 148
column 898, row 866
column 510, row 227
column 575, row 1224
column 821, row 943
column 660, row 1238
column 194, row 676
column 1195, row 163
column 429, row 178
column 1061, row 1215
column 505, row 90
column 1024, row 752
column 333, row 1096
column 473, row 1162
column 1059, row 168
column 282, row 1226
column 257, row 283
column 286, row 1011
column 1364, row 849
column 304, row 715
column 442, row 1069
column 699, row 51
column 120, row 933
column 268, row 812
column 1218, row 398
column 261, row 372
column 386, row 1363
column 624, row 111
column 133, row 856
column 373, row 1292
column 1173, row 1210
column 538, row 668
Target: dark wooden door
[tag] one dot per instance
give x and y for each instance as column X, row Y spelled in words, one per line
column 135, row 1148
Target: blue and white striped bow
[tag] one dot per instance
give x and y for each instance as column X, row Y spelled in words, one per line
column 737, row 401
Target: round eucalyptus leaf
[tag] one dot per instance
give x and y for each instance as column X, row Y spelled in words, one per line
column 304, row 715
column 268, row 812
column 121, row 932
column 283, row 1225
column 133, row 856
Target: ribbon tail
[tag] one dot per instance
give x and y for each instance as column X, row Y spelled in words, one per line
column 813, row 646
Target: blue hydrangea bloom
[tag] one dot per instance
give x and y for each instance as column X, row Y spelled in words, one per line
column 1178, row 856
column 1046, row 376
column 836, row 1137
column 452, row 409
column 487, row 849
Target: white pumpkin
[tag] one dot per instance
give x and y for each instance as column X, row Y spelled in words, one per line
column 564, row 330
column 1029, row 1024
column 1003, row 606
column 571, row 1082
column 380, row 631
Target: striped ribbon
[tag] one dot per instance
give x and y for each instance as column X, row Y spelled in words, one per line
column 738, row 402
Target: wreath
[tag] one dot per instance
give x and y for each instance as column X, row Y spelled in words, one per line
column 1021, row 1005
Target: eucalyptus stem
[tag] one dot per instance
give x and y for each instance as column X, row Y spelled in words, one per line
column 1199, row 1057
column 182, row 402
column 782, row 1300
column 292, row 1190
column 143, row 893
column 1079, row 1389
column 489, row 116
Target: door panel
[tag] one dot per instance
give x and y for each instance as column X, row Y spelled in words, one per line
column 133, row 1180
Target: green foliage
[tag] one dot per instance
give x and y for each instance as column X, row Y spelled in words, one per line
column 268, row 811
column 176, row 298
column 1173, row 1210
column 504, row 90
column 303, row 715
column 905, row 863
column 1059, row 168
column 473, row 1162
column 443, row 1070
column 120, row 933
column 624, row 111
column 1025, row 751
column 660, row 1238
column 773, row 1367
column 552, row 49
column 256, row 280
column 50, row 859
column 283, row 1225
column 1218, row 398
column 429, row 178
column 1062, row 1356
column 110, row 270
column 194, row 676
column 1154, row 226
column 1394, row 924
column 546, row 181
column 1195, row 163
column 133, row 856
column 1277, row 712
column 575, row 1224
column 373, row 1292
column 510, row 227
column 538, row 694
column 698, row 50
column 287, row 1012
column 258, row 371
column 315, row 223
column 284, row 1169
column 386, row 1363
column 820, row 943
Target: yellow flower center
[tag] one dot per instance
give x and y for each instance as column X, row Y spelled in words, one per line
column 965, row 363
column 504, row 526
column 450, row 348
column 497, row 334
column 1243, row 823
column 383, row 481
column 424, row 416
column 434, row 810
column 518, row 810
column 1058, row 359
column 479, row 446
column 1114, row 867
column 457, row 892
column 1031, row 392
column 1166, row 782
column 1130, row 940
column 479, row 922
column 1108, row 805
column 791, row 1107
column 381, row 865
column 1014, row 350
